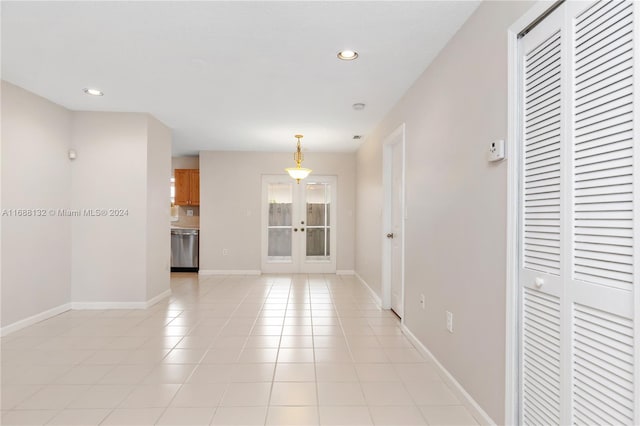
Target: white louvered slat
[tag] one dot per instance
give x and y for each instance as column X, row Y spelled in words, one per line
column 599, row 87
column 544, row 109
column 604, row 144
column 614, row 270
column 603, row 232
column 616, row 179
column 546, row 112
column 603, row 367
column 613, row 258
column 602, row 111
column 542, row 157
column 618, row 94
column 541, row 369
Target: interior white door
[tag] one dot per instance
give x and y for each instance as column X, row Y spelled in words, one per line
column 578, row 260
column 393, row 222
column 299, row 224
column 397, row 298
column 540, row 230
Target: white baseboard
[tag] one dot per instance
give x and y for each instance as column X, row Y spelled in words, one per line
column 229, row 272
column 120, row 305
column 108, row 305
column 470, row 404
column 373, row 293
column 19, row 325
column 149, row 303
column 345, row 272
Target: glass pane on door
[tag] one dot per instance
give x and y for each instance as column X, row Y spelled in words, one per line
column 279, row 242
column 318, row 203
column 280, row 197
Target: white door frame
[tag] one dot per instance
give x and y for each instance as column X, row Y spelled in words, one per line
column 396, row 137
column 513, row 315
column 298, row 263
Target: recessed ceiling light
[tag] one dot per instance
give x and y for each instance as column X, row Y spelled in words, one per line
column 359, row 106
column 347, row 55
column 93, row 92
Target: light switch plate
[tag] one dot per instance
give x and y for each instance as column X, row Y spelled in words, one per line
column 189, row 212
column 496, row 150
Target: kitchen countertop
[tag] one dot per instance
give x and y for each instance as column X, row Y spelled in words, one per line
column 184, row 227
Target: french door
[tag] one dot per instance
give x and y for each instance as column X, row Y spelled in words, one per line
column 578, row 216
column 299, row 224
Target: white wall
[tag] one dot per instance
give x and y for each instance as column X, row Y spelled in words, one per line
column 455, row 232
column 124, row 162
column 184, row 163
column 109, row 253
column 158, row 207
column 230, row 194
column 36, row 173
column 369, row 202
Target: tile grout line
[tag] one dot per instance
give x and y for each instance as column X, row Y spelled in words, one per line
column 284, row 318
column 313, row 349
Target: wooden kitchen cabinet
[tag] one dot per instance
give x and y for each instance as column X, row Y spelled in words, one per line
column 187, row 187
column 194, row 190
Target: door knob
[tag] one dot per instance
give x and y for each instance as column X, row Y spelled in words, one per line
column 301, row 229
column 539, row 282
column 295, row 229
column 390, row 235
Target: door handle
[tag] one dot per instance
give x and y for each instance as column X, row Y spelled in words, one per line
column 301, row 229
column 390, row 235
column 295, row 229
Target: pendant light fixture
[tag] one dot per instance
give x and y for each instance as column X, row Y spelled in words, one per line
column 298, row 172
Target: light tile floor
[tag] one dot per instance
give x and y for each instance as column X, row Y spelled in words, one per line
column 227, row 350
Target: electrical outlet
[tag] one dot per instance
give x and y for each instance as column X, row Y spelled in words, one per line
column 225, row 252
column 189, row 212
column 496, row 150
column 422, row 301
column 449, row 322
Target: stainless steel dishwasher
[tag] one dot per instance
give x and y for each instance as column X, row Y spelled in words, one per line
column 184, row 250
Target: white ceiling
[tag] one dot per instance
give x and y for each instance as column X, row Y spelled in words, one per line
column 230, row 75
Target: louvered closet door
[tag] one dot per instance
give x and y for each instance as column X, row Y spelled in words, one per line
column 541, row 231
column 579, row 267
column 602, row 261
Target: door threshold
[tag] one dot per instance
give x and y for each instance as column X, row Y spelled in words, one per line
column 183, row 269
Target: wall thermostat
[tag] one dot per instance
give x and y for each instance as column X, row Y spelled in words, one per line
column 496, row 150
